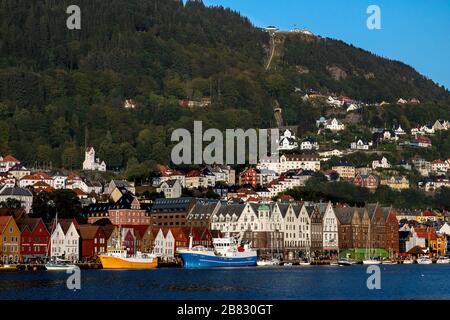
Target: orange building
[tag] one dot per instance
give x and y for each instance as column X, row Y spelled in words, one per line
column 9, row 240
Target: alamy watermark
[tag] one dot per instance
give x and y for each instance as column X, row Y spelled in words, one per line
column 374, row 280
column 374, row 20
column 73, row 22
column 74, row 280
column 190, row 150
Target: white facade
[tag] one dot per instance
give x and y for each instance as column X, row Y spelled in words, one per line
column 170, row 188
column 92, row 163
column 334, row 125
column 382, row 164
column 59, row 182
column 330, row 229
column 360, row 145
column 294, row 162
column 65, row 244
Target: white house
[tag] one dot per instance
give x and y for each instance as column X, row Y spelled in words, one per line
column 330, row 226
column 64, row 240
column 334, row 125
column 309, row 144
column 399, row 131
column 59, row 182
column 445, row 229
column 416, row 239
column 299, row 161
column 159, row 244
column 304, row 227
column 326, row 155
column 287, row 141
column 382, row 164
column 171, row 188
column 23, row 195
column 360, row 144
column 92, row 163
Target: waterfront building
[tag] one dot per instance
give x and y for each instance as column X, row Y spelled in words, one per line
column 93, row 241
column 9, row 240
column 171, row 212
column 35, row 238
column 64, row 240
column 201, row 212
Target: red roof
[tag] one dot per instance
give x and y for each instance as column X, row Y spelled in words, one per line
column 10, row 158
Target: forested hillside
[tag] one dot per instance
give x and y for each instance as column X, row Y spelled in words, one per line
column 61, row 89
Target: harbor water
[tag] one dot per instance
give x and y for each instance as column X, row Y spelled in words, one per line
column 293, row 282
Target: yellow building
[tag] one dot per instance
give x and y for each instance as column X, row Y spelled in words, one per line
column 345, row 171
column 395, row 183
column 9, row 240
column 438, row 245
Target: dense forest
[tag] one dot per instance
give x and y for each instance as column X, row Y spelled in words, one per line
column 62, row 89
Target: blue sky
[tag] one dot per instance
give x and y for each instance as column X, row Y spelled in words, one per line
column 416, row 32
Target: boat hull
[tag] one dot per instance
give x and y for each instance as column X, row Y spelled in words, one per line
column 128, row 263
column 198, row 260
column 371, row 262
column 61, row 267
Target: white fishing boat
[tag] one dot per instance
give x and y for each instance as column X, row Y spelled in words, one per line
column 305, row 263
column 424, row 260
column 288, row 264
column 59, row 265
column 443, row 260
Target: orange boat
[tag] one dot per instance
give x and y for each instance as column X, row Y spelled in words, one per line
column 118, row 259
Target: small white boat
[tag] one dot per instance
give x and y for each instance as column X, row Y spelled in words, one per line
column 346, row 262
column 59, row 265
column 268, row 262
column 287, row 264
column 371, row 261
column 424, row 260
column 389, row 262
column 408, row 261
column 334, row 263
column 305, row 263
column 441, row 260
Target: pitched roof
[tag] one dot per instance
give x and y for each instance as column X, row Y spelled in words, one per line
column 87, row 231
column 15, row 191
column 31, row 223
column 10, row 158
column 345, row 215
column 4, row 222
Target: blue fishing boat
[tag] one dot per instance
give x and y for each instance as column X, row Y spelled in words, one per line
column 227, row 252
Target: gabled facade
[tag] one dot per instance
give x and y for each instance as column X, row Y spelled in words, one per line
column 9, row 240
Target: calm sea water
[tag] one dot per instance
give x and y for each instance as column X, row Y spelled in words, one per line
column 295, row 282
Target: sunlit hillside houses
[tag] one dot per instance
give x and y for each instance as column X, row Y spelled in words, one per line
column 382, row 163
column 8, row 162
column 288, row 140
column 361, row 144
column 332, row 124
column 309, row 144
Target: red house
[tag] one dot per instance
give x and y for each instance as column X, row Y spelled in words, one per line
column 93, row 240
column 249, row 176
column 129, row 240
column 35, row 238
column 366, row 181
